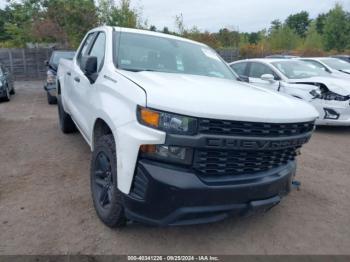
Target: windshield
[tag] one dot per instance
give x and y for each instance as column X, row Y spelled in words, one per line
column 141, row 52
column 298, row 69
column 336, row 63
column 58, row 55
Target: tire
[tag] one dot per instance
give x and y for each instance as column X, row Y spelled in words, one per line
column 7, row 96
column 107, row 199
column 13, row 91
column 52, row 100
column 65, row 121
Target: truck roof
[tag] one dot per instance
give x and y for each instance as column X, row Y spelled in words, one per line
column 147, row 32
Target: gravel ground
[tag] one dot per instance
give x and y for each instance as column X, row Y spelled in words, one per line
column 45, row 204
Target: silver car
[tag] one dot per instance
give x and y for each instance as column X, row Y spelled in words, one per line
column 331, row 65
column 328, row 94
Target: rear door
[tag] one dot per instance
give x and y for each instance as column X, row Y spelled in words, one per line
column 256, row 70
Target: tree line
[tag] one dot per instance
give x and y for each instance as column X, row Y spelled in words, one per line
column 66, row 22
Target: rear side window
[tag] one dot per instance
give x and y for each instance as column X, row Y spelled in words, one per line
column 85, row 47
column 98, row 49
column 258, row 69
column 240, row 68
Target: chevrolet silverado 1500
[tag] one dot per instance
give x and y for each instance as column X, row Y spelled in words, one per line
column 176, row 139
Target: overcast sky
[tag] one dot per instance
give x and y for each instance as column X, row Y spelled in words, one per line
column 245, row 15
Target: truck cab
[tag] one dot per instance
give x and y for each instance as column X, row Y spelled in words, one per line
column 176, row 139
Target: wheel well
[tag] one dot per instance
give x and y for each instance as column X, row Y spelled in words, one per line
column 100, row 128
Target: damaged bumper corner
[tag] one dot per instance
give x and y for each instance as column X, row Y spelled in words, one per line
column 333, row 112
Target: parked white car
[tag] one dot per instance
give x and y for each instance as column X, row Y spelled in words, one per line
column 334, row 66
column 329, row 95
column 175, row 138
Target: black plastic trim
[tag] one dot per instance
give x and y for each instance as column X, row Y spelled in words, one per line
column 225, row 142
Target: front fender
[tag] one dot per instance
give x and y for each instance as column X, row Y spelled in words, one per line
column 129, row 138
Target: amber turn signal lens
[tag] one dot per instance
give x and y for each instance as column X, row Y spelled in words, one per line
column 148, row 148
column 149, row 117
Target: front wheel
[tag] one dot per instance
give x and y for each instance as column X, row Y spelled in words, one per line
column 106, row 196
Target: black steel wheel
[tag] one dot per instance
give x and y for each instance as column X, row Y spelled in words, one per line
column 103, row 180
column 106, row 196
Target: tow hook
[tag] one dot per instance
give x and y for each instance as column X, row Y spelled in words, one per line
column 296, row 184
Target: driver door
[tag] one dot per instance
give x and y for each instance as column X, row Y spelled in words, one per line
column 256, row 70
column 84, row 89
column 75, row 91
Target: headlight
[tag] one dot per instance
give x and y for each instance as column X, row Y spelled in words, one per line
column 328, row 95
column 174, row 154
column 167, row 122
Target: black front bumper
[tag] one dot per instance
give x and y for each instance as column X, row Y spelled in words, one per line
column 162, row 195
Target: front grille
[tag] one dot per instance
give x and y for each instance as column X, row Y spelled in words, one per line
column 231, row 162
column 240, row 128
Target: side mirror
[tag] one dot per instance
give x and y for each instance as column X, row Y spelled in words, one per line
column 46, row 63
column 268, row 77
column 244, row 78
column 89, row 67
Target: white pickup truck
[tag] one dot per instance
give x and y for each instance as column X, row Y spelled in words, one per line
column 176, row 139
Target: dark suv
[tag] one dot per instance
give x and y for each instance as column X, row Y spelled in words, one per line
column 52, row 64
column 6, row 84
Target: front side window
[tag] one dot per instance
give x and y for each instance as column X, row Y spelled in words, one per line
column 98, row 49
column 298, row 69
column 141, row 52
column 259, row 69
column 240, row 68
column 85, row 46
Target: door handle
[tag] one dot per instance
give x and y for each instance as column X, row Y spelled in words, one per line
column 69, row 73
column 77, row 79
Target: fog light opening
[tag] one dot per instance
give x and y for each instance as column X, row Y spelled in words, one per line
column 330, row 114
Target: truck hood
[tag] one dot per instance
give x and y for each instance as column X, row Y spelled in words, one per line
column 334, row 84
column 212, row 97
